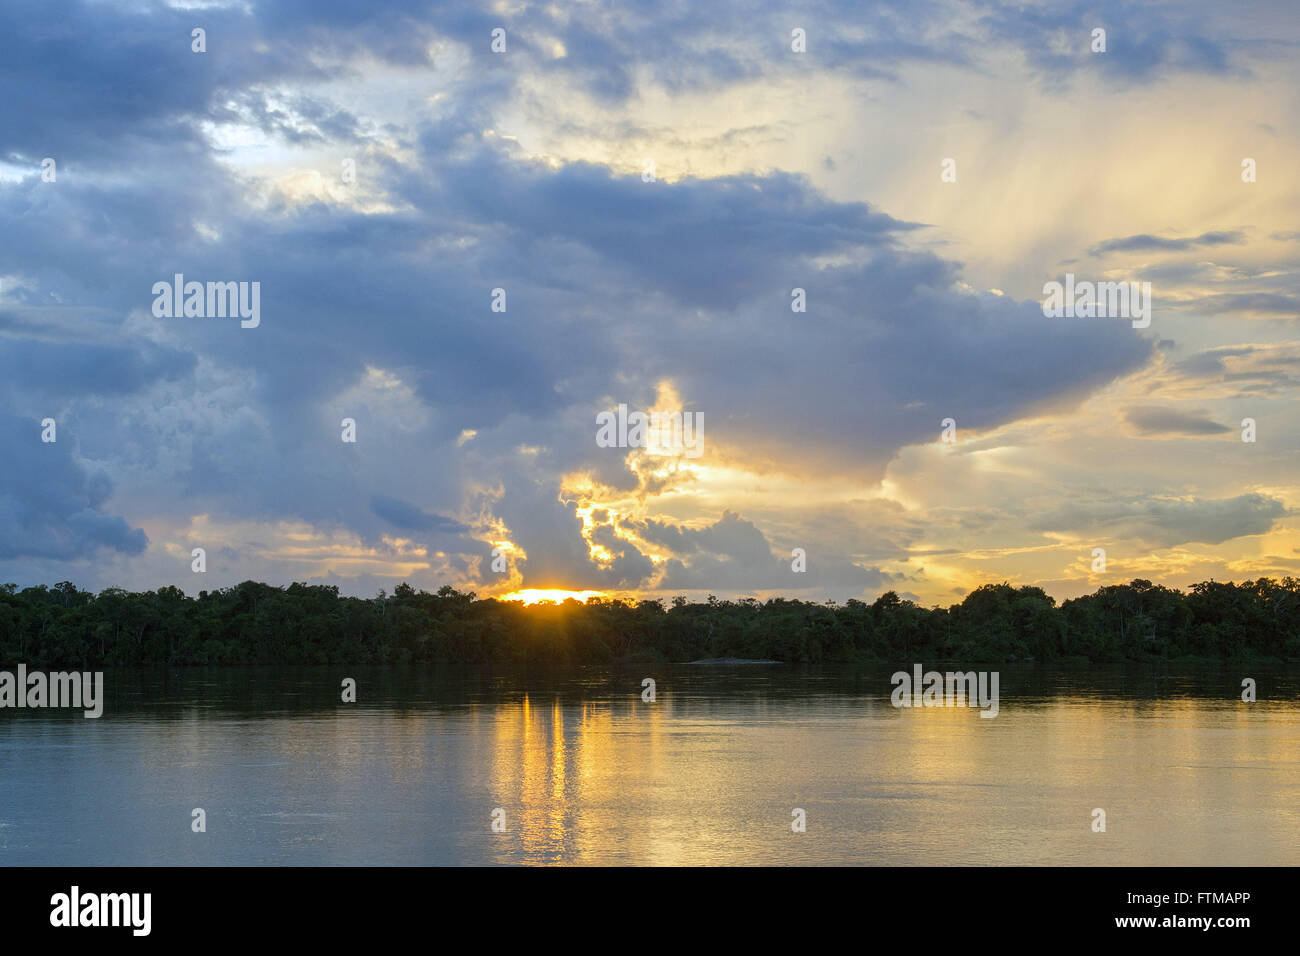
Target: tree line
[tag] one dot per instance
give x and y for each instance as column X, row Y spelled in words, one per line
column 63, row 627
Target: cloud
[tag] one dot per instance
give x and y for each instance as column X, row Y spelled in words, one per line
column 1153, row 420
column 127, row 80
column 64, row 368
column 50, row 506
column 408, row 517
column 375, row 296
column 733, row 554
column 1149, row 243
column 1265, row 370
column 1267, row 304
column 1167, row 522
column 1145, row 43
column 613, row 285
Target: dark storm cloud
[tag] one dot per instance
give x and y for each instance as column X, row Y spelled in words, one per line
column 887, row 348
column 51, row 507
column 404, row 515
column 709, row 242
column 38, row 369
column 102, row 82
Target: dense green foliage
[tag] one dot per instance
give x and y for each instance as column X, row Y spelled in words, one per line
column 259, row 624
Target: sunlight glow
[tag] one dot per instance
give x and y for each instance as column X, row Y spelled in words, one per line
column 557, row 595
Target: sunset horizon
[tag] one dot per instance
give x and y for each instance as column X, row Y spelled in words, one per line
column 486, row 434
column 399, row 337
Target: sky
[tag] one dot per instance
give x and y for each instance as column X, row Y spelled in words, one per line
column 647, row 184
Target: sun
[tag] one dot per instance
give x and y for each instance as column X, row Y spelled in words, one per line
column 558, row 595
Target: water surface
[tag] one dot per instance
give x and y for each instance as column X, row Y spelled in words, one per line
column 588, row 773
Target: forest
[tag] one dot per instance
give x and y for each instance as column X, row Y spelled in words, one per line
column 252, row 623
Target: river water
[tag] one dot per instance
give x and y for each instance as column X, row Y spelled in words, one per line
column 579, row 769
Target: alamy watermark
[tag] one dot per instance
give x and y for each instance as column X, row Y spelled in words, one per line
column 660, row 433
column 1101, row 300
column 953, row 689
column 74, row 909
column 60, row 689
column 216, row 300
